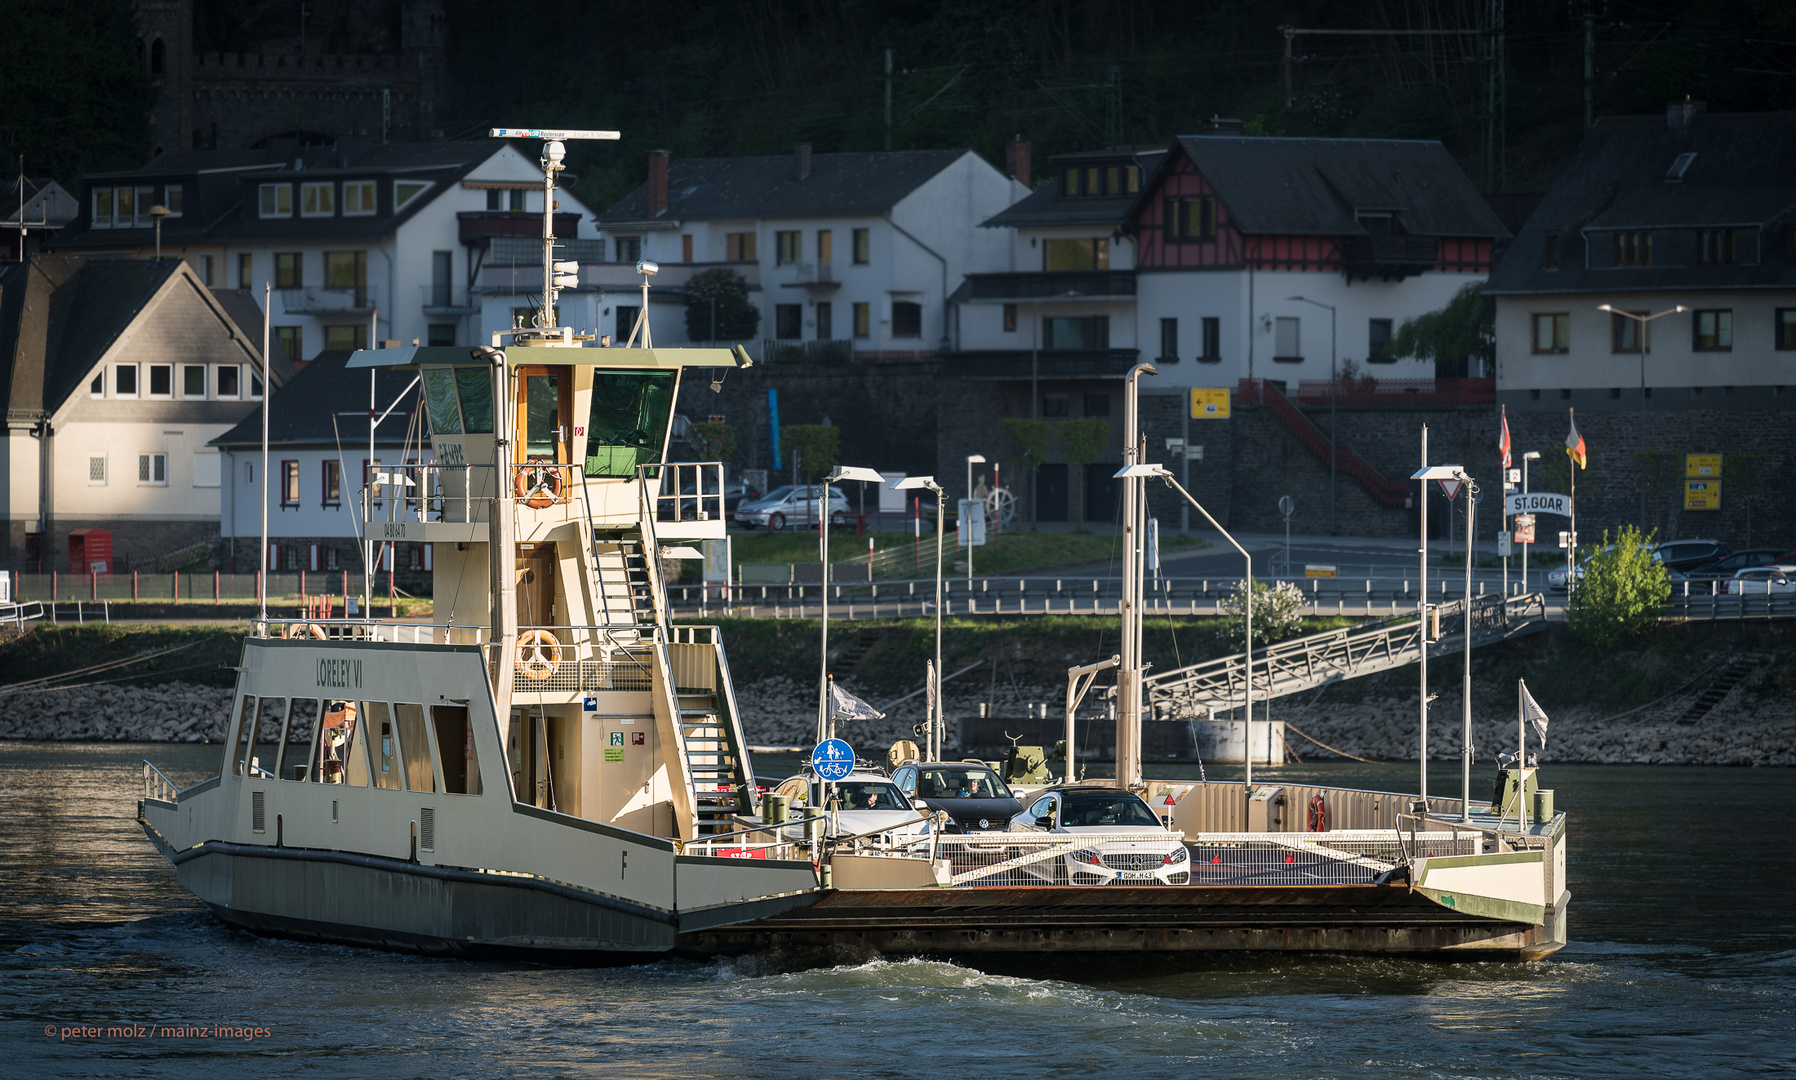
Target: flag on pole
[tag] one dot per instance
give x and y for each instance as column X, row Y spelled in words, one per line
column 1503, row 443
column 1574, row 444
column 929, row 686
column 1535, row 715
column 845, row 706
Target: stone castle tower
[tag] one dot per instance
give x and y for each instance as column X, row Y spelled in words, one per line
column 353, row 68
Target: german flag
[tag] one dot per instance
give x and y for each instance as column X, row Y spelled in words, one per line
column 1574, row 444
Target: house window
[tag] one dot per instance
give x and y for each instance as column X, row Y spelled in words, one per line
column 1069, row 184
column 1786, row 329
column 249, row 473
column 1212, row 353
column 1716, row 247
column 1085, row 253
column 162, row 380
column 358, row 198
column 289, row 483
column 1191, row 219
column 1378, row 339
column 788, row 321
column 292, row 341
column 739, row 246
column 1076, row 332
column 1169, row 339
column 907, row 319
column 330, row 558
column 1633, row 248
column 1097, row 405
column 629, row 249
column 863, row 320
column 626, row 321
column 1010, row 318
column 193, row 380
column 1091, row 180
column 229, row 381
column 516, row 201
column 124, row 203
column 124, row 380
column 102, row 210
column 289, row 269
column 862, row 241
column 826, row 248
column 686, row 247
column 825, row 320
column 255, row 384
column 97, row 388
column 1286, row 346
column 1552, row 242
column 317, row 200
column 246, row 265
column 96, row 469
column 1376, row 224
column 1055, row 406
column 1625, row 334
column 442, row 268
column 1714, row 330
column 152, row 469
column 404, row 191
column 787, row 246
column 203, row 268
column 1552, row 333
column 346, row 337
column 276, row 200
column 347, row 270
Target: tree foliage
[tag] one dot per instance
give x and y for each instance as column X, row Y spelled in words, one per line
column 76, row 90
column 737, row 318
column 1463, row 331
column 1277, row 613
column 816, row 447
column 1029, row 439
column 716, row 440
column 1619, row 592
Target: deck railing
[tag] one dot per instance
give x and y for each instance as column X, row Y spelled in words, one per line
column 157, row 786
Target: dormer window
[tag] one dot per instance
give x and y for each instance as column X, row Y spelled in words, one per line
column 358, row 198
column 1716, row 247
column 318, row 200
column 1633, row 249
column 1377, row 224
column 1679, row 165
column 276, row 200
column 1100, row 181
column 404, row 191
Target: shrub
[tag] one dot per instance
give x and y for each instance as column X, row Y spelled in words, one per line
column 1277, row 613
column 1620, row 591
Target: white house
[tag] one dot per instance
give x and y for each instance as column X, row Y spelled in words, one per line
column 361, row 241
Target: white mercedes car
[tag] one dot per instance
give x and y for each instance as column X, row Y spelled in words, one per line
column 1098, row 812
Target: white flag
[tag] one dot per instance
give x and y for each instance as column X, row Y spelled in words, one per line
column 846, row 706
column 929, row 686
column 1535, row 715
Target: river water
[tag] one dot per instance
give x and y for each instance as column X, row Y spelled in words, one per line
column 1682, row 964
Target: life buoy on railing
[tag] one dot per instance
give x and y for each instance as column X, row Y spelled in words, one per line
column 539, row 654
column 316, row 631
column 1318, row 817
column 538, row 485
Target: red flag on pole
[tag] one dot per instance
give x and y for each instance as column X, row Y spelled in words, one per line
column 1574, row 444
column 1503, row 443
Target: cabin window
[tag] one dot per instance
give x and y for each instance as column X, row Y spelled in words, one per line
column 337, row 755
column 474, row 392
column 302, row 715
column 414, row 743
column 455, row 749
column 383, row 759
column 627, row 424
column 439, row 401
column 274, row 719
column 246, row 735
column 542, row 416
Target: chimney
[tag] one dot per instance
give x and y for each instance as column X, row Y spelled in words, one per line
column 657, row 182
column 1678, row 114
column 1016, row 161
column 801, row 155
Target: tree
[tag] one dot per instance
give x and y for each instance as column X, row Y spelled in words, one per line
column 1081, row 441
column 724, row 291
column 814, row 447
column 1620, row 591
column 1463, row 331
column 78, row 90
column 1740, row 478
column 1030, row 439
column 715, row 439
column 1277, row 613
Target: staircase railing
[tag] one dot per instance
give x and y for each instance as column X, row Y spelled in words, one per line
column 748, row 800
column 1347, row 460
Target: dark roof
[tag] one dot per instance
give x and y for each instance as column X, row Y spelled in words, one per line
column 1316, row 186
column 701, row 189
column 326, row 404
column 1044, row 206
column 1616, row 179
column 58, row 316
column 241, row 307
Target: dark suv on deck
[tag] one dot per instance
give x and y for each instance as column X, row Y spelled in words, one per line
column 972, row 795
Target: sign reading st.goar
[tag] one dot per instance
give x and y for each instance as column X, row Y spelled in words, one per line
column 1540, row 502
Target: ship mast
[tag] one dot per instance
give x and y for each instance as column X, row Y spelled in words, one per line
column 1128, row 674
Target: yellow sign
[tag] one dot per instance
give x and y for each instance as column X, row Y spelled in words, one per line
column 1209, row 404
column 1702, row 494
column 1698, row 466
column 1313, row 570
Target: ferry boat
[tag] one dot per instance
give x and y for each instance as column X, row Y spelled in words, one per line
column 567, row 777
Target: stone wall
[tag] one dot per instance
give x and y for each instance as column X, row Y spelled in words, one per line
column 134, row 543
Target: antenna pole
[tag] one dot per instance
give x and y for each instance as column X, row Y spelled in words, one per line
column 267, row 392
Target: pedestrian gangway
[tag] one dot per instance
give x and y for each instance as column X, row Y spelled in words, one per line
column 1315, row 660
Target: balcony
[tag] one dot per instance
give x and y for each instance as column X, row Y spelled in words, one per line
column 813, row 277
column 1046, row 364
column 1053, row 285
column 480, row 226
column 1389, row 257
column 440, row 300
column 314, row 301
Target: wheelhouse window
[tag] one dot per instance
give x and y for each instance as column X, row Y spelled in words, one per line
column 275, row 200
column 1552, row 333
column 1083, row 253
column 1714, row 330
column 627, row 422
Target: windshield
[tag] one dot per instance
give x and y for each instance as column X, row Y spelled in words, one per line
column 1088, row 810
column 961, row 783
column 870, row 795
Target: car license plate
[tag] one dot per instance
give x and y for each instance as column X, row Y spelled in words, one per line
column 1134, row 875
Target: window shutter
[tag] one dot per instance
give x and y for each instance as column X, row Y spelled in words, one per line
column 314, row 563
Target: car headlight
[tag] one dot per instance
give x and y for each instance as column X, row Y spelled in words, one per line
column 1176, row 857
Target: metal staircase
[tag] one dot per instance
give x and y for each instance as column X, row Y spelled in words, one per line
column 625, row 592
column 1305, row 663
column 716, row 752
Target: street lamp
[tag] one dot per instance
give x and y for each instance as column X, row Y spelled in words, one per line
column 1152, row 471
column 1532, row 455
column 972, row 459
column 1425, row 474
column 1333, row 384
column 935, row 728
column 157, row 213
column 1641, row 322
column 841, row 472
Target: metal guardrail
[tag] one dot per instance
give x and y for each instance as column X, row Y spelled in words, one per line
column 1730, row 606
column 370, row 630
column 157, row 786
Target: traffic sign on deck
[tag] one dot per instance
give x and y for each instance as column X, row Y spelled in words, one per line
column 833, row 759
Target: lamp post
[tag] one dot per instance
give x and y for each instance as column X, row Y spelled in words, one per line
column 840, row 472
column 1640, row 325
column 1425, row 474
column 157, row 213
column 932, row 741
column 972, row 459
column 1333, row 386
column 1532, row 455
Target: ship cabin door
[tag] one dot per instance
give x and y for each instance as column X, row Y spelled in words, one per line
column 544, row 412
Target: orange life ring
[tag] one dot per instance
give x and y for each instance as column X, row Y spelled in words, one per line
column 539, row 654
column 316, row 631
column 1318, row 817
column 538, row 487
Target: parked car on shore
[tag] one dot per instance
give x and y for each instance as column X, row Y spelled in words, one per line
column 1686, row 555
column 1097, row 812
column 1762, row 581
column 1740, row 560
column 792, row 505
